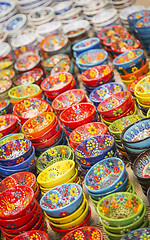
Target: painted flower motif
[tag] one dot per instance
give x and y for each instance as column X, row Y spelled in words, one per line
column 90, row 145
column 116, row 88
column 95, row 235
column 63, row 214
column 34, row 237
column 121, row 199
column 20, row 160
column 78, row 235
column 134, row 69
column 106, row 71
column 17, row 194
column 48, row 117
column 110, row 154
column 131, row 55
column 108, row 142
column 77, row 137
column 62, row 77
column 52, row 152
column 54, row 198
column 92, row 130
column 113, row 102
column 145, row 237
column 52, row 175
column 101, row 92
column 2, row 121
column 40, row 119
column 107, row 202
column 92, row 73
column 118, row 112
column 73, row 192
column 63, row 150
column 140, row 89
column 26, row 103
column 71, row 97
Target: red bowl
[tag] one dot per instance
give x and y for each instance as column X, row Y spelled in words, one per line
column 124, row 45
column 63, row 232
column 32, row 76
column 39, row 221
column 115, row 105
column 114, row 37
column 37, row 191
column 34, row 234
column 67, row 99
column 95, row 76
column 108, row 31
column 8, row 124
column 78, row 115
column 18, row 222
column 17, row 130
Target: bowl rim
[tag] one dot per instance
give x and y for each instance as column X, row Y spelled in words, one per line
column 75, row 48
column 32, row 231
column 124, row 39
column 107, row 28
column 134, row 166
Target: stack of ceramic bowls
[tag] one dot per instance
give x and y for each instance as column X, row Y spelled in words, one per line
column 17, row 155
column 91, row 58
column 5, row 85
column 72, row 15
column 41, row 16
column 131, row 63
column 106, row 177
column 55, row 44
column 104, row 91
column 22, row 213
column 142, row 92
column 44, row 131
column 142, row 232
column 67, row 173
column 21, row 92
column 5, row 107
column 11, row 137
column 129, row 213
column 141, row 170
column 61, row 8
column 119, row 125
column 85, row 45
column 87, row 233
column 33, row 234
column 48, row 29
column 24, row 50
column 124, row 13
column 71, row 210
column 86, row 131
column 56, row 84
column 8, row 124
column 47, row 158
column 30, row 107
column 8, row 10
column 108, row 16
column 136, row 138
column 67, row 99
column 96, row 76
column 116, row 106
column 77, row 115
column 15, row 24
column 93, row 150
column 21, row 178
column 34, row 76
column 119, row 4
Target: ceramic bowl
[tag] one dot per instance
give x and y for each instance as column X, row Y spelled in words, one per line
column 125, row 45
column 77, row 115
column 142, row 88
column 49, row 63
column 6, row 64
column 87, row 44
column 61, row 152
column 7, row 74
column 33, row 76
column 92, row 58
column 97, row 75
column 5, row 85
column 69, row 195
column 57, row 83
column 18, row 201
column 113, row 170
column 64, row 65
column 86, row 131
column 30, row 107
column 141, row 166
column 115, row 105
column 94, row 149
column 5, row 106
column 39, row 124
column 122, row 214
column 143, row 24
column 67, row 99
column 137, row 134
column 143, row 100
column 27, row 62
column 33, row 234
column 115, row 37
column 104, row 91
column 142, row 106
column 11, row 137
column 108, row 31
column 138, row 233
column 21, row 92
column 119, row 125
column 52, row 176
column 132, row 85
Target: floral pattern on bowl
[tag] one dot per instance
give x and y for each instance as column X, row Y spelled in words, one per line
column 143, row 23
column 108, row 31
column 24, row 91
column 7, row 74
column 33, row 234
column 63, row 65
column 54, row 43
column 8, row 121
column 5, row 85
column 105, row 175
column 142, row 165
column 138, row 234
column 125, row 45
column 29, row 77
column 28, row 62
column 3, row 104
column 142, row 87
column 115, row 37
column 52, row 61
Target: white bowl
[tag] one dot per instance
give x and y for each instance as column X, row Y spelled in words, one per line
column 63, row 7
column 104, row 16
column 6, row 6
column 48, row 29
column 15, row 23
column 45, row 10
column 76, row 25
column 5, row 49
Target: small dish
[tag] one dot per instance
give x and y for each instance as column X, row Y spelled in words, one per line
column 27, row 62
column 108, row 31
column 49, row 63
column 87, row 44
column 125, row 45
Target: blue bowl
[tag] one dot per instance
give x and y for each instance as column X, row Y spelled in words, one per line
column 15, row 151
column 141, row 166
column 143, row 24
column 87, row 44
column 135, row 16
column 137, row 135
column 105, row 176
column 82, row 69
column 142, row 233
column 69, row 198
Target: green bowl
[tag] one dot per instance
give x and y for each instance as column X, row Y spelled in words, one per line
column 11, row 137
column 148, row 113
column 120, row 209
column 23, row 91
column 54, row 154
column 117, row 126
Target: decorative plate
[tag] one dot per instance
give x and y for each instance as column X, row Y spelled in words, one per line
column 63, row 65
column 7, row 74
column 142, row 165
column 115, row 37
column 54, row 43
column 29, row 77
column 142, row 88
column 28, row 62
column 52, row 61
column 125, row 45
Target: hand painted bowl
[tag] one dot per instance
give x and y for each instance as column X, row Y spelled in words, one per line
column 11, row 137
column 137, row 134
column 49, row 63
column 132, row 85
column 7, row 74
column 5, row 106
column 94, row 149
column 37, row 234
column 116, row 103
column 58, row 173
column 115, row 37
column 61, row 152
column 138, row 233
column 85, row 233
column 38, row 125
column 86, row 131
column 144, row 100
column 87, row 44
column 125, row 45
column 143, row 24
column 97, row 75
column 101, row 181
column 121, row 214
column 119, row 125
column 67, row 99
column 27, row 62
column 65, row 65
column 62, row 200
column 104, row 91
column 30, row 107
column 78, row 115
column 33, row 76
column 5, row 85
column 16, row 201
column 57, row 83
column 8, row 123
column 92, row 58
column 110, row 30
column 141, row 166
column 142, row 88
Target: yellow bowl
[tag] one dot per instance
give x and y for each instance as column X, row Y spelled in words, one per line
column 127, row 82
column 58, row 173
column 75, row 222
column 142, row 105
column 70, row 217
column 144, row 100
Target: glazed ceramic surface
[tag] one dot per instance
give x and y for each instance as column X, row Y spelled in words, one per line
column 125, row 45
column 142, row 165
column 143, row 23
column 29, row 77
column 104, row 91
column 25, row 49
column 5, row 85
column 51, row 62
column 36, row 234
column 4, row 104
column 138, row 234
column 7, row 121
column 108, row 31
column 26, row 63
column 142, row 88
column 5, row 64
column 86, row 44
column 54, row 43
column 62, row 200
column 116, row 37
column 23, row 91
column 105, row 175
column 7, row 74
column 11, row 137
column 63, row 65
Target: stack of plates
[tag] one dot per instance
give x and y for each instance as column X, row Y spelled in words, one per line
column 71, row 15
column 7, row 10
column 15, row 24
column 62, row 7
column 120, row 4
column 23, row 39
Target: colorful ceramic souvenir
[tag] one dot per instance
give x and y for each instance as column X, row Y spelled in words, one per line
column 141, row 166
column 54, row 43
column 37, row 234
column 87, row 44
column 108, row 31
column 11, row 137
column 8, row 123
column 137, row 234
column 5, row 85
column 115, row 37
column 7, row 74
column 142, row 88
column 49, row 63
column 125, row 45
column 28, row 49
column 5, row 64
column 64, row 65
column 27, row 62
column 34, row 76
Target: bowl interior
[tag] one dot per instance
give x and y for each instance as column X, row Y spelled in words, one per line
column 24, row 91
column 5, row 85
column 85, row 44
column 27, row 62
column 55, row 43
column 29, row 77
column 92, row 56
column 52, row 61
column 143, row 86
column 142, row 165
column 128, row 57
column 108, row 31
column 6, row 121
column 37, row 234
column 116, row 37
column 125, row 45
column 96, row 72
